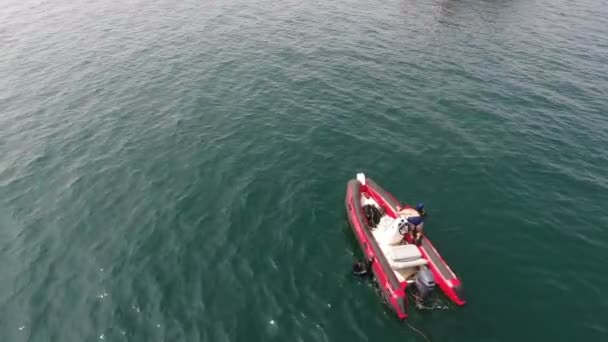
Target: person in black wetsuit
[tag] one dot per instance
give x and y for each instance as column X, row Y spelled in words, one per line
column 363, row 268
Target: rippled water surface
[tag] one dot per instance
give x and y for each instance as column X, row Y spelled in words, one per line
column 175, row 170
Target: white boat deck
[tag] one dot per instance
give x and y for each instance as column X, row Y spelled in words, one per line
column 403, row 258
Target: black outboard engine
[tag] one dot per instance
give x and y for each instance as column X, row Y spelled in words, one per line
column 425, row 283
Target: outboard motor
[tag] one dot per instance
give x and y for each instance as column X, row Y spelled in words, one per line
column 425, row 283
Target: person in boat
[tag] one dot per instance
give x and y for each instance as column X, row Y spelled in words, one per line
column 420, row 209
column 416, row 225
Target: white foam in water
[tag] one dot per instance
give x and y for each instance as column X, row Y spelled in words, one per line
column 272, row 328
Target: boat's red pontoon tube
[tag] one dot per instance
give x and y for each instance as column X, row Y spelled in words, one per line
column 396, row 260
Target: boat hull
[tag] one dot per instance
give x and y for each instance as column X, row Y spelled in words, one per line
column 393, row 290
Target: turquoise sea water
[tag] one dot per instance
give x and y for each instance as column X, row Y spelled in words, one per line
column 175, row 171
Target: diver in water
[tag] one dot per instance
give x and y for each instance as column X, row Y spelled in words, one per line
column 363, row 268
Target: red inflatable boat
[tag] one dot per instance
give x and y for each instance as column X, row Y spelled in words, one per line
column 384, row 232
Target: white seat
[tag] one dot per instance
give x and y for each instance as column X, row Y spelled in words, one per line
column 405, row 256
column 407, row 264
column 388, row 231
column 405, row 253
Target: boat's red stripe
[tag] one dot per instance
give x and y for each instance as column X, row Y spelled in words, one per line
column 448, row 282
column 383, row 197
column 393, row 292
